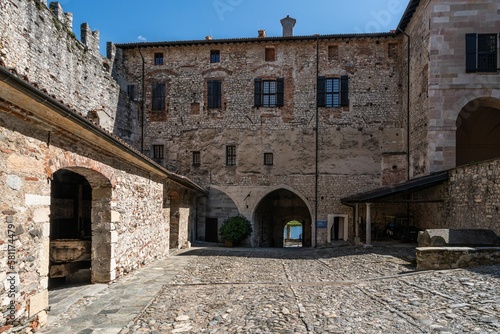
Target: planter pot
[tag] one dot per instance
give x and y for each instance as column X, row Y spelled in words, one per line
column 228, row 243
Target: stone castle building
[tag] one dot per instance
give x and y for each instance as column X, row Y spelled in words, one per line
column 120, row 158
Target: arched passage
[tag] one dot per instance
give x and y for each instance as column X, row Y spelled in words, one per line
column 80, row 236
column 272, row 214
column 478, row 131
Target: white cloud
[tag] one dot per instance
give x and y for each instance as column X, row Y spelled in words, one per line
column 142, row 38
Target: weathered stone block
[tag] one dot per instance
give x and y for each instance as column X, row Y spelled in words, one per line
column 457, row 237
column 38, row 302
column 437, row 258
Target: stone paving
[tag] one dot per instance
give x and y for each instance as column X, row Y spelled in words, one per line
column 332, row 290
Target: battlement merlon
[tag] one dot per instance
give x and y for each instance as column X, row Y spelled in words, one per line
column 65, row 18
column 90, row 38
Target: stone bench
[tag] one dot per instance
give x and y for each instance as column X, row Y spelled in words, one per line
column 455, row 248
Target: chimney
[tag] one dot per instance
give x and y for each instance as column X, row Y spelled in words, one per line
column 208, row 38
column 262, row 34
column 288, row 23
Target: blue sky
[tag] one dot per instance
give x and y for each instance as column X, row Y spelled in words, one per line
column 126, row 21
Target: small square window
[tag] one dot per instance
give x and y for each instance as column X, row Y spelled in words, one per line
column 268, row 159
column 270, row 54
column 159, row 58
column 230, row 155
column 196, row 158
column 215, row 56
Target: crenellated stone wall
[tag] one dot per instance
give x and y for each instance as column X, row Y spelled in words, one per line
column 38, row 43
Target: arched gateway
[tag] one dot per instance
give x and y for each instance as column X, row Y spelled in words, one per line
column 478, row 131
column 272, row 214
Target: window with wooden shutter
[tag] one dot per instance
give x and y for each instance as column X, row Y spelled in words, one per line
column 214, row 90
column 333, row 92
column 471, row 53
column 269, row 93
column 344, row 91
column 257, row 93
column 158, row 97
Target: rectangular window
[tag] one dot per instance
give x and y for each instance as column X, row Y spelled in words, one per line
column 230, row 155
column 269, row 93
column 159, row 58
column 270, row 54
column 215, row 56
column 214, row 90
column 158, row 97
column 333, row 92
column 268, row 159
column 481, row 52
column 131, row 92
column 158, row 152
column 196, row 158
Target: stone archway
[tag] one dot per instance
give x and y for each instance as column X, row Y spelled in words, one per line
column 80, row 236
column 272, row 214
column 478, row 131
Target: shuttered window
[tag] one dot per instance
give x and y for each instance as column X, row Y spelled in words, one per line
column 214, row 98
column 269, row 93
column 333, row 92
column 158, row 97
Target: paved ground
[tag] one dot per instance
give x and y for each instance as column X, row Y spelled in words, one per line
column 333, row 290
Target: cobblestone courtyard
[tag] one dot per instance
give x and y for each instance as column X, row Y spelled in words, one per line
column 334, row 290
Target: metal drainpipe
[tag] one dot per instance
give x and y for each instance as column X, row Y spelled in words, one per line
column 407, row 122
column 143, row 100
column 408, row 108
column 316, row 176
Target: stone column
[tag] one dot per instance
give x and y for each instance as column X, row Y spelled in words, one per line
column 368, row 242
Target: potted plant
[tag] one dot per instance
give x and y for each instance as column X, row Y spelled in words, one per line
column 235, row 229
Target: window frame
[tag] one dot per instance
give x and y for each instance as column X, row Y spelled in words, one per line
column 268, row 159
column 158, row 58
column 158, row 152
column 214, row 94
column 132, row 92
column 196, row 158
column 158, row 96
column 335, row 97
column 260, row 94
column 230, row 155
column 477, row 58
column 270, row 54
column 214, row 56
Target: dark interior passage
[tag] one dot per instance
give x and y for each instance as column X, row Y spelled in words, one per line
column 273, row 213
column 70, row 228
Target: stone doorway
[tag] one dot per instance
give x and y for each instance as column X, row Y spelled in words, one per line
column 80, row 240
column 274, row 211
column 478, row 131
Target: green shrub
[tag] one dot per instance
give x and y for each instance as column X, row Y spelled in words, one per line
column 235, row 229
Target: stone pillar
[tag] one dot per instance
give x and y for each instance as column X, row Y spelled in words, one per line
column 368, row 242
column 356, row 225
